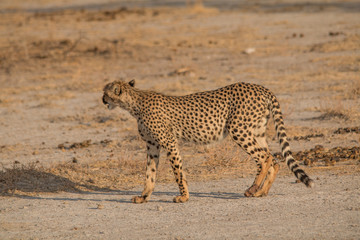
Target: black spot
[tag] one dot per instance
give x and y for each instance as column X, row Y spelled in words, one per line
column 304, row 178
column 286, row 144
column 291, row 161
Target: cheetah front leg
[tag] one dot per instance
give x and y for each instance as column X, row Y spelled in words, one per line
column 176, row 164
column 153, row 154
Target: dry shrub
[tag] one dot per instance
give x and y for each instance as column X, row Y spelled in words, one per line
column 354, row 91
column 349, row 43
column 104, row 175
column 226, row 159
column 197, row 7
column 223, row 156
column 337, row 111
column 331, row 114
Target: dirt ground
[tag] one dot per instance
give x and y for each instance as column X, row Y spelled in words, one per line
column 69, row 167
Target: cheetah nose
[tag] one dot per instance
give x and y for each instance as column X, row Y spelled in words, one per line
column 103, row 99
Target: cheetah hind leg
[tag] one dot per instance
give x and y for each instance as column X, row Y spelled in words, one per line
column 270, row 178
column 260, row 178
column 271, row 167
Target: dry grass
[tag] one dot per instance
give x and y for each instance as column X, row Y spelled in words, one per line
column 119, row 171
column 339, row 110
column 354, row 91
column 123, row 173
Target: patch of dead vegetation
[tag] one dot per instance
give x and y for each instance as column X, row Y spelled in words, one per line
column 349, row 43
column 87, row 143
column 339, row 110
column 347, row 130
column 331, row 114
column 226, row 159
column 108, row 15
column 307, row 137
column 328, row 157
column 354, row 91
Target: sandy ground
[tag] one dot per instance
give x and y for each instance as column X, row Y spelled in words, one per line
column 69, row 167
column 216, row 211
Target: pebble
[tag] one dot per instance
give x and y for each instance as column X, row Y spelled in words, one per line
column 249, row 50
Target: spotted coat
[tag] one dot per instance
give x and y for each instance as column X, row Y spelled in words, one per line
column 240, row 110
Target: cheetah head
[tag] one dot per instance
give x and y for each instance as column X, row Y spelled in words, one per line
column 117, row 93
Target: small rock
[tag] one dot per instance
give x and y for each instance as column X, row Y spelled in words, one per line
column 183, row 71
column 249, row 51
column 333, row 34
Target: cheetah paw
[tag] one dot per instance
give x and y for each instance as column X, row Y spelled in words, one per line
column 181, row 199
column 251, row 191
column 138, row 199
column 260, row 193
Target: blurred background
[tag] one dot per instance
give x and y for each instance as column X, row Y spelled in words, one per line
column 56, row 56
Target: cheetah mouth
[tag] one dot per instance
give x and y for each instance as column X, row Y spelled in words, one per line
column 107, row 104
column 110, row 106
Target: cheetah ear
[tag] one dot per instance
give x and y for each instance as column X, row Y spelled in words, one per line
column 132, row 83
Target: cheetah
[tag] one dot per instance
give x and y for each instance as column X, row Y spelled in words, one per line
column 240, row 110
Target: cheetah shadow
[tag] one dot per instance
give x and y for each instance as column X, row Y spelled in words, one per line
column 119, row 196
column 31, row 182
column 194, row 195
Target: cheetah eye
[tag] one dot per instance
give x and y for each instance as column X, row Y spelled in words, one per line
column 117, row 91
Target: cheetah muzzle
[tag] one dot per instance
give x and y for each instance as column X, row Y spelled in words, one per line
column 240, row 110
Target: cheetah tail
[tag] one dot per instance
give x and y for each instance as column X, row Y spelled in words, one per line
column 285, row 147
